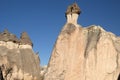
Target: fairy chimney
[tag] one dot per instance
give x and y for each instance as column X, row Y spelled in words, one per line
column 72, row 13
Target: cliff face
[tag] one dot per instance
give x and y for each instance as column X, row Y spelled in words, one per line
column 84, row 53
column 17, row 59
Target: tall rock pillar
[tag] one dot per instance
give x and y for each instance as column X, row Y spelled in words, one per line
column 72, row 13
column 79, row 53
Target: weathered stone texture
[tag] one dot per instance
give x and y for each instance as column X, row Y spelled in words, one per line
column 74, row 8
column 24, row 39
column 84, row 54
column 7, row 36
column 17, row 59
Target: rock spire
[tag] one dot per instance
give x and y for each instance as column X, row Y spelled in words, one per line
column 72, row 13
column 24, row 39
column 89, row 53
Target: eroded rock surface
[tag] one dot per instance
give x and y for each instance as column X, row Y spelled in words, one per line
column 17, row 59
column 84, row 53
column 24, row 39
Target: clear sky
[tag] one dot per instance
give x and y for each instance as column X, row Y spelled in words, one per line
column 43, row 19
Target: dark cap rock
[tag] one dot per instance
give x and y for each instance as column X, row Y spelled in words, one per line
column 24, row 39
column 7, row 36
column 74, row 8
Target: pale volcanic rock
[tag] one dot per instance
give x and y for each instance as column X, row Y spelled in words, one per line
column 17, row 58
column 89, row 53
column 25, row 46
column 84, row 54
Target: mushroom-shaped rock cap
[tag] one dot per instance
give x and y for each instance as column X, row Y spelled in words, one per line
column 74, row 8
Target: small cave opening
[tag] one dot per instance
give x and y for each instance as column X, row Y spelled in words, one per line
column 118, row 77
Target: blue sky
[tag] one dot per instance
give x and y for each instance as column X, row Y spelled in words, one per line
column 43, row 19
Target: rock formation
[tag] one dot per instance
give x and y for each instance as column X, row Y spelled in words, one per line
column 25, row 40
column 6, row 36
column 43, row 71
column 17, row 59
column 84, row 53
column 79, row 53
column 72, row 13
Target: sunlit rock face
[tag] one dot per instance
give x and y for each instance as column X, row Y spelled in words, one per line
column 72, row 13
column 84, row 54
column 79, row 53
column 17, row 59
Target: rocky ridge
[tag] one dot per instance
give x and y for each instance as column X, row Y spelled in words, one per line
column 84, row 53
column 11, row 41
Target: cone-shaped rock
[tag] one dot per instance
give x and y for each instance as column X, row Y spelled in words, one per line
column 24, row 39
